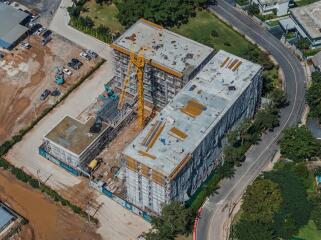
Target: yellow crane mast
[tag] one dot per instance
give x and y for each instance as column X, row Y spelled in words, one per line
column 139, row 63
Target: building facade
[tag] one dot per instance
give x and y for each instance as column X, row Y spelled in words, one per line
column 180, row 147
column 171, row 61
column 308, row 22
column 71, row 144
column 280, row 7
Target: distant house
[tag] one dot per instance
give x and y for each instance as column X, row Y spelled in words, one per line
column 316, row 60
column 280, row 7
column 12, row 27
column 308, row 22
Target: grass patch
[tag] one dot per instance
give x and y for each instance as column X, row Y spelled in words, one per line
column 243, row 2
column 309, row 232
column 206, row 28
column 300, row 3
column 266, row 17
column 273, row 23
column 200, row 195
column 311, row 52
column 290, row 35
column 103, row 15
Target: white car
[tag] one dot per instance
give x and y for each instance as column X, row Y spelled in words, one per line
column 85, row 56
column 67, row 71
column 25, row 45
column 34, row 17
column 40, row 31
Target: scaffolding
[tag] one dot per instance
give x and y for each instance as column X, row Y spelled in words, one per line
column 170, row 62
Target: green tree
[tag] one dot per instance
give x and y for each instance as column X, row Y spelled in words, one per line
column 295, row 209
column 316, row 213
column 314, row 95
column 298, row 144
column 174, row 219
column 164, row 12
column 253, row 9
column 261, row 201
column 279, row 98
column 303, row 44
column 316, row 77
column 248, row 230
column 266, row 119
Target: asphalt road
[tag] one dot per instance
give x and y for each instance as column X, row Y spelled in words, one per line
column 60, row 25
column 215, row 218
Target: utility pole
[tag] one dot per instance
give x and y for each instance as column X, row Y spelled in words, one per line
column 100, row 205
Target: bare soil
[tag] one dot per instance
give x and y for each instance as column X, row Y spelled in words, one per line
column 25, row 74
column 47, row 220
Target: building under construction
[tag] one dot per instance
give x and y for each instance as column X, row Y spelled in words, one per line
column 180, row 147
column 171, row 61
column 72, row 144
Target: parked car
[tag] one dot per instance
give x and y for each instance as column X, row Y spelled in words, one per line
column 91, row 53
column 85, row 56
column 25, row 45
column 40, row 31
column 55, row 92
column 34, row 17
column 45, row 94
column 67, row 71
column 46, row 34
column 32, row 24
column 75, row 63
column 34, row 27
column 45, row 41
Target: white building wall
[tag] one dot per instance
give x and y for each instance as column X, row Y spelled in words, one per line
column 62, row 154
column 143, row 192
column 281, row 8
column 158, row 196
column 132, row 187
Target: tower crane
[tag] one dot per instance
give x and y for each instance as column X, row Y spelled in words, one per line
column 139, row 63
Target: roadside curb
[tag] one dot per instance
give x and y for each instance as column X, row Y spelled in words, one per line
column 199, row 212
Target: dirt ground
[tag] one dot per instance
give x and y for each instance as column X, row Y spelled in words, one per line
column 47, row 220
column 25, row 74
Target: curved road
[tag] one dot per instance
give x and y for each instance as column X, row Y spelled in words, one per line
column 215, row 218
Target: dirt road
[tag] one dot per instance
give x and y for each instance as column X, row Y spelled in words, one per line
column 48, row 221
column 25, row 74
column 116, row 222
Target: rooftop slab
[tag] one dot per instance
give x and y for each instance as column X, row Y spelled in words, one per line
column 309, row 17
column 10, row 19
column 163, row 47
column 74, row 135
column 178, row 129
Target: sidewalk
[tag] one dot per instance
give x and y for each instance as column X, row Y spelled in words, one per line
column 59, row 24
